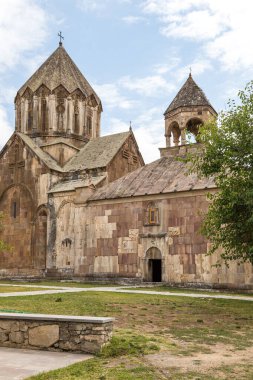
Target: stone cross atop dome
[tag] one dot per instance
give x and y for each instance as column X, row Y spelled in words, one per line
column 188, row 110
column 57, row 99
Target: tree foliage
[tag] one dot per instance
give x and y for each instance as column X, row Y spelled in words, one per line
column 228, row 156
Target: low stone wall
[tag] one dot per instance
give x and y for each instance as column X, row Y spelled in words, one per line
column 54, row 332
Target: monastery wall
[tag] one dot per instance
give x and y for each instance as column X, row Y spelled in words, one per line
column 26, row 225
column 115, row 239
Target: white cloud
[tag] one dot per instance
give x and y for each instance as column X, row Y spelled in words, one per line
column 133, row 19
column 91, row 5
column 117, row 125
column 111, row 97
column 147, row 86
column 7, row 94
column 163, row 68
column 23, row 27
column 98, row 5
column 6, row 129
column 196, row 67
column 221, row 27
column 148, row 129
column 148, row 142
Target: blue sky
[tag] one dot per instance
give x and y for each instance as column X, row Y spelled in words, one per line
column 135, row 53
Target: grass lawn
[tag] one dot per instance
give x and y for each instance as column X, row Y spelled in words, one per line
column 55, row 284
column 156, row 337
column 11, row 289
column 166, row 288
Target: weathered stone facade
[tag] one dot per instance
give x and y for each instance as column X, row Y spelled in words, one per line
column 55, row 332
column 80, row 205
column 46, row 156
column 115, row 242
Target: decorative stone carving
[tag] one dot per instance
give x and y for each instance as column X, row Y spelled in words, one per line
column 174, row 231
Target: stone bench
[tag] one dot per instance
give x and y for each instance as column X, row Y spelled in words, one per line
column 54, row 332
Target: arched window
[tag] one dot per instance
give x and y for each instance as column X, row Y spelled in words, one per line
column 89, row 125
column 14, row 209
column 44, row 118
column 30, row 115
column 76, row 118
column 14, row 206
column 152, row 215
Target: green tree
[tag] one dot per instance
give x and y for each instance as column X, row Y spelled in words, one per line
column 228, row 156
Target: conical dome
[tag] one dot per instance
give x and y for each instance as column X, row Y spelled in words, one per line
column 59, row 69
column 58, row 101
column 189, row 95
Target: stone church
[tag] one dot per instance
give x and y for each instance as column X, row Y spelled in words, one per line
column 80, row 205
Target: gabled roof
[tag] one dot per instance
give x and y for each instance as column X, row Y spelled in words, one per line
column 97, row 153
column 59, row 69
column 76, row 184
column 60, row 141
column 44, row 157
column 189, row 95
column 166, row 175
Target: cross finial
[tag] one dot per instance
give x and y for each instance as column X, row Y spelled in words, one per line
column 130, row 126
column 190, row 73
column 61, row 38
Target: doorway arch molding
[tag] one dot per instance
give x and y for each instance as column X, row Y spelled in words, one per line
column 153, row 253
column 153, row 265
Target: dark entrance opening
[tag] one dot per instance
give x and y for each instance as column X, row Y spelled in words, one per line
column 154, row 264
column 156, row 268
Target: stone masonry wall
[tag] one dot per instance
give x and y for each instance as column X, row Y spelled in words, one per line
column 115, row 242
column 24, row 181
column 54, row 333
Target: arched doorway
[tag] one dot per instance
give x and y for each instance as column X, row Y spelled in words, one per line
column 153, row 265
column 40, row 251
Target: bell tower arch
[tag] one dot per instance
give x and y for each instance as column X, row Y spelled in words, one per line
column 189, row 109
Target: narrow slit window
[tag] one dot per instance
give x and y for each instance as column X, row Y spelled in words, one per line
column 89, row 125
column 14, row 210
column 44, row 115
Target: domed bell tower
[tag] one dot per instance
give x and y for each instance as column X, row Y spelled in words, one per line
column 188, row 110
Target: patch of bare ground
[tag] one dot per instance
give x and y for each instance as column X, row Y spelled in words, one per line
column 219, row 355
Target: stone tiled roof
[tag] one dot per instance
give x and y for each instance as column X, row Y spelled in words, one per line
column 58, row 141
column 44, row 157
column 75, row 184
column 189, row 95
column 59, row 69
column 97, row 153
column 166, row 175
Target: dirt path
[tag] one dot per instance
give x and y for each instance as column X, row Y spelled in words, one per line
column 52, row 290
column 220, row 355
